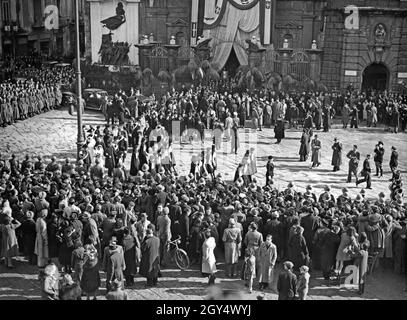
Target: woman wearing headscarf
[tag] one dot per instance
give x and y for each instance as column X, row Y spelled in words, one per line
column 208, row 257
column 9, row 244
column 41, row 241
column 232, row 238
column 90, row 281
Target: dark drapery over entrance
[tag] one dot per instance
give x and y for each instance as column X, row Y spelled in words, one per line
column 232, row 63
column 375, row 77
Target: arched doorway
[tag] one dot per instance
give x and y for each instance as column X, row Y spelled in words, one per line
column 375, row 77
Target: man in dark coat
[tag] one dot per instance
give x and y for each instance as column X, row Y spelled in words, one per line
column 110, row 162
column 366, row 172
column 113, row 263
column 287, row 282
column 354, row 157
column 394, row 161
column 269, row 171
column 279, row 130
column 378, row 158
column 329, row 246
column 310, row 223
column 337, row 155
column 150, row 258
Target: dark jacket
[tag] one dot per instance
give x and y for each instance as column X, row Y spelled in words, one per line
column 150, row 256
column 287, row 285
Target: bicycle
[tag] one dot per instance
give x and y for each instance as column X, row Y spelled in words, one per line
column 179, row 255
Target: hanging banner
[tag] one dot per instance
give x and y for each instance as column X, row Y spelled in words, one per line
column 51, row 15
column 268, row 14
column 194, row 21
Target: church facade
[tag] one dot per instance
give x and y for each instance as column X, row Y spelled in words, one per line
column 363, row 45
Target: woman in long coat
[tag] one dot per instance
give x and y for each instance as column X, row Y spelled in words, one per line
column 316, row 152
column 318, row 117
column 52, row 231
column 29, row 236
column 336, row 155
column 232, row 238
column 131, row 247
column 298, row 249
column 208, row 256
column 90, row 281
column 41, row 242
column 329, row 247
column 267, row 259
column 67, row 246
column 9, row 244
column 305, row 145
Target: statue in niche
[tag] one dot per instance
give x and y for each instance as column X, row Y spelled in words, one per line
column 380, row 33
column 116, row 21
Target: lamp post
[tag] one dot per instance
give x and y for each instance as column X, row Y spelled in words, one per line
column 78, row 80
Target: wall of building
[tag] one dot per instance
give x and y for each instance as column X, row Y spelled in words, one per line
column 165, row 18
column 300, row 19
column 351, row 51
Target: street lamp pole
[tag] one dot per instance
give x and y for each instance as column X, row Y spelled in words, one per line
column 80, row 140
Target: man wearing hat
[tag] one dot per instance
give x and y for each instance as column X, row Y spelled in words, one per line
column 394, row 161
column 378, row 158
column 287, row 282
column 366, row 172
column 150, row 258
column 113, row 263
column 337, row 155
column 269, row 171
column 354, row 157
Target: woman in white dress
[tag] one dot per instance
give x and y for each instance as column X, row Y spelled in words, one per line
column 41, row 241
column 208, row 257
column 91, row 145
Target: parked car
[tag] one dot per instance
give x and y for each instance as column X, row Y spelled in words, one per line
column 95, row 98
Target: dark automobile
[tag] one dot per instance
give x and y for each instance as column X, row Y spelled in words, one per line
column 95, row 98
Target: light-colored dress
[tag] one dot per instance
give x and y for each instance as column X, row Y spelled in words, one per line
column 41, row 242
column 208, row 256
column 232, row 238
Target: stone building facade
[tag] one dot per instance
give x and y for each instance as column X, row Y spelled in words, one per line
column 28, row 17
column 373, row 54
column 318, row 42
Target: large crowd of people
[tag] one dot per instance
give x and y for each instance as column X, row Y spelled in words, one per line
column 95, row 214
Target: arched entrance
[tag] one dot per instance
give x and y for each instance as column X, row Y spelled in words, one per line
column 375, row 77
